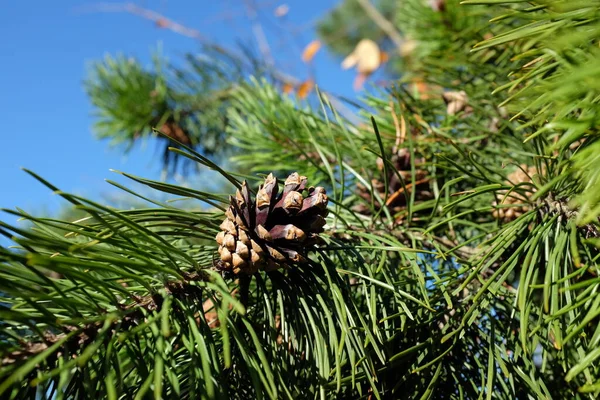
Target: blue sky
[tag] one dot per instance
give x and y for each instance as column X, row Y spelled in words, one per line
column 47, row 118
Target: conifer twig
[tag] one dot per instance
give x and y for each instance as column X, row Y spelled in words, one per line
column 159, row 19
column 166, row 23
column 134, row 313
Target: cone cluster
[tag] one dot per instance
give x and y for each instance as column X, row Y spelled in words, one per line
column 508, row 214
column 274, row 229
column 397, row 192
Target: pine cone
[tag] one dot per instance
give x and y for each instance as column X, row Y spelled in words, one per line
column 508, row 214
column 276, row 229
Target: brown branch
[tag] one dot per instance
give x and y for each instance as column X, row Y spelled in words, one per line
column 245, row 289
column 394, row 196
column 167, row 23
column 159, row 19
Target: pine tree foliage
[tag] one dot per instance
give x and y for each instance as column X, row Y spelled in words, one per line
column 554, row 92
column 487, row 287
column 185, row 103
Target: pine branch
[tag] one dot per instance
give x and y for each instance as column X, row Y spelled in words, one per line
column 451, row 263
column 160, row 20
column 77, row 338
column 164, row 22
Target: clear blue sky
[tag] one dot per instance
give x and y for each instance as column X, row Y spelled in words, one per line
column 46, row 116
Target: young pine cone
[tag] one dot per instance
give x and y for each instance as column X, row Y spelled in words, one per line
column 273, row 230
column 508, row 214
